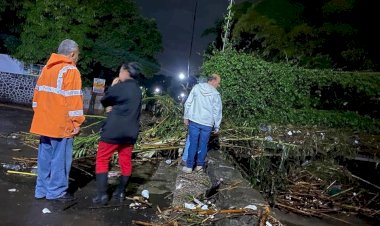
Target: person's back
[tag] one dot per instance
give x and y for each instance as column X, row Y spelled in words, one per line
column 202, row 108
column 203, row 111
column 58, row 99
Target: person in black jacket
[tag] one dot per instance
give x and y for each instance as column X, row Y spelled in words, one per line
column 120, row 130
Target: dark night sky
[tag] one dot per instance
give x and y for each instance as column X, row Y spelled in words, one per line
column 174, row 20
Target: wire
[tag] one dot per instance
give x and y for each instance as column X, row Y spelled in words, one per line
column 192, row 38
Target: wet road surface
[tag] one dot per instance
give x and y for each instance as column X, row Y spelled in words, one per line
column 21, row 208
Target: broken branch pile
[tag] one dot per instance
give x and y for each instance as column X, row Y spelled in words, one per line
column 182, row 216
column 267, row 155
column 333, row 191
column 296, row 166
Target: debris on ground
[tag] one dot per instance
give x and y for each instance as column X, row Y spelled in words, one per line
column 328, row 193
column 184, row 216
column 189, row 186
column 267, row 155
column 145, row 194
column 21, row 173
column 15, row 167
column 46, row 210
column 252, row 207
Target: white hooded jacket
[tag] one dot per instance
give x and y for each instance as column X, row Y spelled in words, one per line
column 204, row 106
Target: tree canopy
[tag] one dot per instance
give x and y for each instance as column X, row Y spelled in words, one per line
column 10, row 18
column 336, row 34
column 108, row 32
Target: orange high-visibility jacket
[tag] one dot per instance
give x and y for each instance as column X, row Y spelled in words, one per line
column 58, row 99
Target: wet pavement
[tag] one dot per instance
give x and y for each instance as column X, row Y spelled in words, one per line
column 21, row 208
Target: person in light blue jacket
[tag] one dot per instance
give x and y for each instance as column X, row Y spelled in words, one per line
column 203, row 111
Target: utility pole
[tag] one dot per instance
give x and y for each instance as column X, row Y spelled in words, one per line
column 192, row 38
column 227, row 25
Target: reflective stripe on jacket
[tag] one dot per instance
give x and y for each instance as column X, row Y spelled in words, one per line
column 58, row 99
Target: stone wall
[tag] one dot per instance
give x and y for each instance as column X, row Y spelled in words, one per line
column 17, row 88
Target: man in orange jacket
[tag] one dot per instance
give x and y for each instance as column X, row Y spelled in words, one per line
column 58, row 114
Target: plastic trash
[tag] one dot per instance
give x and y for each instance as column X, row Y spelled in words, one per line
column 145, row 194
column 199, row 203
column 268, row 224
column 178, row 187
column 34, row 169
column 204, row 207
column 190, row 206
column 334, row 189
column 114, row 174
column 46, row 210
column 252, row 207
column 12, row 190
column 307, row 162
column 268, row 138
column 290, row 133
column 168, row 161
column 265, row 128
column 12, row 167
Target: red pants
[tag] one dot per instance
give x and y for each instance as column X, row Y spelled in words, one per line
column 105, row 151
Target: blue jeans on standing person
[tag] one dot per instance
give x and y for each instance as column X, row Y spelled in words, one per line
column 53, row 167
column 186, row 149
column 199, row 136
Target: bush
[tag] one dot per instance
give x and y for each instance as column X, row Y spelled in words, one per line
column 255, row 91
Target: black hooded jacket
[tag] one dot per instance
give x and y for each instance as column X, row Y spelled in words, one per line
column 123, row 122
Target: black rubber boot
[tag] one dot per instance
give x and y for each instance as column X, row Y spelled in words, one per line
column 101, row 187
column 119, row 193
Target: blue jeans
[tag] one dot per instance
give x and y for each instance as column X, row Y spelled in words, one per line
column 186, row 149
column 54, row 163
column 199, row 136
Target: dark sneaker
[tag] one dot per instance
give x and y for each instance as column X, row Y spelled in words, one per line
column 39, row 198
column 118, row 196
column 187, row 170
column 199, row 169
column 65, row 198
column 100, row 199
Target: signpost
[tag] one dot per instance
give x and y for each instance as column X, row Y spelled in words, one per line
column 99, row 85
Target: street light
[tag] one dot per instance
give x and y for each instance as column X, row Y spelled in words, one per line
column 157, row 90
column 182, row 95
column 181, row 76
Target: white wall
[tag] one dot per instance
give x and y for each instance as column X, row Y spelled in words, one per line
column 11, row 65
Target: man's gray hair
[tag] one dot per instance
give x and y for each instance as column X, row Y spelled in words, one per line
column 212, row 77
column 67, row 46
